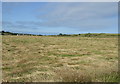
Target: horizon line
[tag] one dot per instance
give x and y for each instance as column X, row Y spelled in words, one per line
column 57, row 33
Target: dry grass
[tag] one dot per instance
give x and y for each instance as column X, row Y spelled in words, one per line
column 70, row 75
column 42, row 58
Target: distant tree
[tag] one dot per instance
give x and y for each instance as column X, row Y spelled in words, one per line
column 3, row 31
column 88, row 34
column 40, row 35
column 60, row 34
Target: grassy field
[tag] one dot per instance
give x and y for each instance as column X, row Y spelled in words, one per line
column 56, row 59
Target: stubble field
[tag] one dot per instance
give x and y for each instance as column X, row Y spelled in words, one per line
column 59, row 59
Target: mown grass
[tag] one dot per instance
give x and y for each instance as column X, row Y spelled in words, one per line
column 52, row 58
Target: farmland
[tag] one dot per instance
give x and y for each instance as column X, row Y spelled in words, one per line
column 56, row 59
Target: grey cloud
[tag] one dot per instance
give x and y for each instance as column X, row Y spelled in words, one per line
column 79, row 15
column 29, row 23
column 19, row 25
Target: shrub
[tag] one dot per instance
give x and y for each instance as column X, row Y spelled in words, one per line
column 70, row 75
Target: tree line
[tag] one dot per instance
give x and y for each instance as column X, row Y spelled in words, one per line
column 60, row 34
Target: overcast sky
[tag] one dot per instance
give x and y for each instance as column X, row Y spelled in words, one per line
column 60, row 17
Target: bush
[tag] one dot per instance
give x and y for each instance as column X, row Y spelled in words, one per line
column 70, row 75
